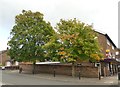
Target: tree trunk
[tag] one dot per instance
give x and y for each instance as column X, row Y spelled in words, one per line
column 33, row 72
column 73, row 70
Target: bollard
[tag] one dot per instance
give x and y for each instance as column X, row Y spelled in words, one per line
column 79, row 75
column 99, row 76
column 32, row 72
column 118, row 75
column 20, row 70
column 54, row 73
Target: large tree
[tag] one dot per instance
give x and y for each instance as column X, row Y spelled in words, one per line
column 52, row 48
column 78, row 42
column 28, row 35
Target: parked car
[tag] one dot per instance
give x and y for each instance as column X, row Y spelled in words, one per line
column 2, row 67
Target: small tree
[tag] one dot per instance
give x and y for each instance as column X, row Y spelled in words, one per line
column 28, row 35
column 78, row 42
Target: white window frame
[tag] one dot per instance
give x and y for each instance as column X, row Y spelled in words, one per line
column 113, row 47
column 108, row 42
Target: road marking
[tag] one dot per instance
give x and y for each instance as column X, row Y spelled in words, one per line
column 109, row 82
column 1, row 83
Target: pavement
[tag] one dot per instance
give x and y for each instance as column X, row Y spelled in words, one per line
column 110, row 80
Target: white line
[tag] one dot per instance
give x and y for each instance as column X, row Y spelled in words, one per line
column 109, row 82
column 5, row 84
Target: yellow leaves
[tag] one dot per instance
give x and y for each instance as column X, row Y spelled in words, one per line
column 72, row 36
column 71, row 60
column 62, row 53
column 69, row 36
column 62, row 48
column 95, row 57
column 102, row 58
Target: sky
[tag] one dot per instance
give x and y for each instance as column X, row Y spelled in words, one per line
column 103, row 14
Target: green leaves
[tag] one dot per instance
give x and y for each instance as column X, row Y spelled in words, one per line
column 32, row 38
column 29, row 34
column 78, row 40
column 83, row 57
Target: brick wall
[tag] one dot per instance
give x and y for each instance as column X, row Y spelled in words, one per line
column 85, row 71
column 103, row 43
column 102, row 39
column 88, row 71
column 4, row 57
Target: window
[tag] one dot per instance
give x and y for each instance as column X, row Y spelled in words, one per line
column 108, row 42
column 113, row 47
column 117, row 53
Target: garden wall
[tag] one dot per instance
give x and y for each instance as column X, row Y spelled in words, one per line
column 62, row 69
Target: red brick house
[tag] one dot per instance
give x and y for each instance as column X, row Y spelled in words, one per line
column 4, row 57
column 108, row 64
column 109, row 49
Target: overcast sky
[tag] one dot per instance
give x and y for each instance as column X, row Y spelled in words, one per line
column 102, row 13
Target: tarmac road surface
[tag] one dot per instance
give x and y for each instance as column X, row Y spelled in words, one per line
column 12, row 77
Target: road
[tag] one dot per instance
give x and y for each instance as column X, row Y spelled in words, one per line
column 21, row 79
column 14, row 78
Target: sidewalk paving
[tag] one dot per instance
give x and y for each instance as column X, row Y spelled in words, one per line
column 105, row 80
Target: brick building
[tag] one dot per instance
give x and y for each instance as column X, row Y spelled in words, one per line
column 118, row 53
column 108, row 64
column 4, row 57
column 109, row 49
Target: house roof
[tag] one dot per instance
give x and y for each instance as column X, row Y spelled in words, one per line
column 110, row 40
column 106, row 35
column 3, row 51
